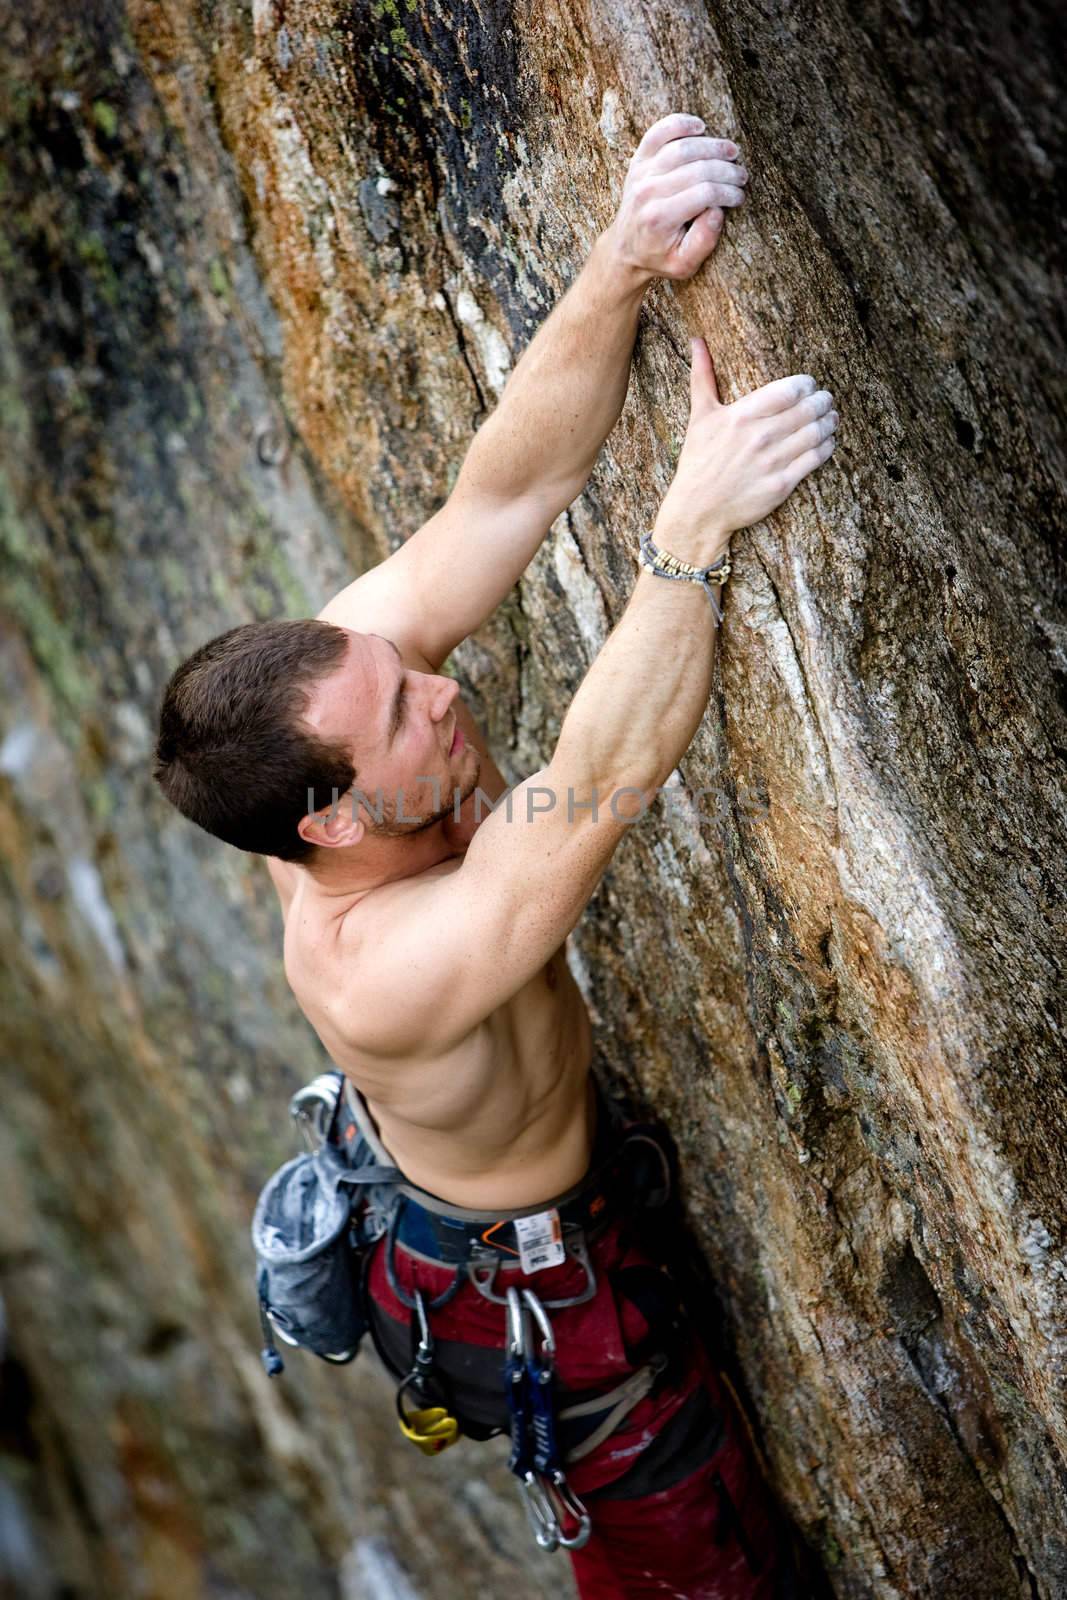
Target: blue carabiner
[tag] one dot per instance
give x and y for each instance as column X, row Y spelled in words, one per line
column 516, row 1387
column 547, row 1461
column 536, row 1499
column 541, row 1372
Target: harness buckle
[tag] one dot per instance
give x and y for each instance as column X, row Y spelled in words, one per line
column 482, row 1272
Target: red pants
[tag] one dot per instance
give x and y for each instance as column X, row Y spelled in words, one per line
column 677, row 1503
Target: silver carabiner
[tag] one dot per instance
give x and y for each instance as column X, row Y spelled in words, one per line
column 312, row 1108
column 572, row 1507
column 555, row 1483
column 544, row 1328
column 517, row 1322
column 536, row 1499
column 539, row 1510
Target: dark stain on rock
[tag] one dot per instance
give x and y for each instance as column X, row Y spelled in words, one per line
column 446, row 95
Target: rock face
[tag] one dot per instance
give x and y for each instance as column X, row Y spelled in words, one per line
column 265, row 267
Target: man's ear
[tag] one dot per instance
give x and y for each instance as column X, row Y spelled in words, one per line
column 336, row 828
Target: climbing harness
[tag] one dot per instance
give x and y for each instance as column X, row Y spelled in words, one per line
column 321, row 1220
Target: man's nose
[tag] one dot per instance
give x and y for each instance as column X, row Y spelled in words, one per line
column 446, row 691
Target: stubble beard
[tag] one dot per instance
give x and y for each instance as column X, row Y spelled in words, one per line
column 391, row 829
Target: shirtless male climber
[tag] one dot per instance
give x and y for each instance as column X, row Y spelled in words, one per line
column 424, row 936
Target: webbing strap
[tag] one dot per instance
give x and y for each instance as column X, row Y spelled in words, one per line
column 371, row 1174
column 621, row 1401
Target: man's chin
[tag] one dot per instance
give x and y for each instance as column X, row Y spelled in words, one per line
column 461, row 791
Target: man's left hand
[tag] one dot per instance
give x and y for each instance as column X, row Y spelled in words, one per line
column 671, row 215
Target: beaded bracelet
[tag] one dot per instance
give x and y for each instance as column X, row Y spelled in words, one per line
column 663, row 565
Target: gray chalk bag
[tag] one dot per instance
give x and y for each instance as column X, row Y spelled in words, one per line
column 306, row 1263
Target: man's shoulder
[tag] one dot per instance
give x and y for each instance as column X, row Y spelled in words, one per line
column 379, row 920
column 352, row 970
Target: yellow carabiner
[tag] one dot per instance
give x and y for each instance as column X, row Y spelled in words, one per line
column 431, row 1430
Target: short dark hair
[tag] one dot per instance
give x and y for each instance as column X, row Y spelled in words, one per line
column 233, row 754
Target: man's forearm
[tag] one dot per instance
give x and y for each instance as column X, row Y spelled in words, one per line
column 531, row 458
column 642, row 700
column 566, row 393
column 533, row 455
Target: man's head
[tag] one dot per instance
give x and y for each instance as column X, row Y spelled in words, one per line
column 261, row 726
column 410, row 757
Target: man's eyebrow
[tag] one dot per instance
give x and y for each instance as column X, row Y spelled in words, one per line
column 394, row 712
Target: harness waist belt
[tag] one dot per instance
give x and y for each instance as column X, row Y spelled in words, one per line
column 437, row 1230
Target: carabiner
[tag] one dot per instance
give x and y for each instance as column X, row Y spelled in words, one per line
column 432, row 1428
column 535, row 1497
column 517, row 1388
column 544, row 1327
column 423, row 1362
column 542, row 1518
column 556, row 1484
column 547, row 1461
column 314, row 1108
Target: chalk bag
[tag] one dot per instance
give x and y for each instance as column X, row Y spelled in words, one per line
column 307, row 1259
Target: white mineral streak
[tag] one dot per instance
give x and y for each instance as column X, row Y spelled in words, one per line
column 310, row 205
column 757, row 608
column 136, row 737
column 583, row 595
column 487, row 340
column 672, row 873
column 609, row 118
column 685, row 817
column 40, row 767
column 87, row 892
column 17, row 751
column 579, row 970
column 370, row 1571
column 1047, row 1295
column 264, row 18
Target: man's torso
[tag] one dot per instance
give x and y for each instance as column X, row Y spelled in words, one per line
column 506, row 1117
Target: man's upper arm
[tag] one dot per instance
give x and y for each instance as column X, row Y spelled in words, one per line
column 446, row 957
column 384, row 601
column 450, row 575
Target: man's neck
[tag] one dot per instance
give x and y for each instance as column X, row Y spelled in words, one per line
column 375, row 862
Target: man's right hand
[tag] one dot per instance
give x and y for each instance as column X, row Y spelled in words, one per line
column 740, row 461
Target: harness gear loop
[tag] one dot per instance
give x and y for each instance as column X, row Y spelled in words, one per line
column 430, row 1428
column 657, row 1199
column 613, row 1407
column 390, row 1267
